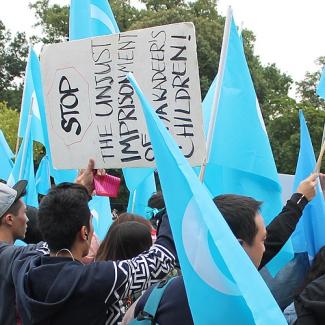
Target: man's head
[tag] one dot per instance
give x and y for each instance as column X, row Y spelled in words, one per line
column 245, row 221
column 65, row 219
column 13, row 219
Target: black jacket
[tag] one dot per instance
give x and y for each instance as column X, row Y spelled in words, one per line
column 8, row 254
column 58, row 290
column 310, row 304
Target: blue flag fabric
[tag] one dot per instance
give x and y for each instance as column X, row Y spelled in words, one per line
column 43, row 183
column 100, row 208
column 241, row 159
column 24, row 169
column 141, row 184
column 217, row 272
column 5, row 158
column 32, row 100
column 320, row 89
column 90, row 18
column 309, row 235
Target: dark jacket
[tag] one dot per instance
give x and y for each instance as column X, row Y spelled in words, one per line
column 310, row 304
column 174, row 308
column 8, row 254
column 58, row 290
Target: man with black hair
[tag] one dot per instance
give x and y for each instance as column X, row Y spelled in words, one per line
column 59, row 289
column 261, row 245
column 13, row 224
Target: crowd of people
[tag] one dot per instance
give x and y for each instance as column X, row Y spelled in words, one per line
column 66, row 276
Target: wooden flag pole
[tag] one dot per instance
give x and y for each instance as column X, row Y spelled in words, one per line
column 216, row 97
column 17, row 146
column 321, row 153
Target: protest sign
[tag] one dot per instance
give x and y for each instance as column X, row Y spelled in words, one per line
column 93, row 111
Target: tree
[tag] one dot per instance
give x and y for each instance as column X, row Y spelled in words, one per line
column 9, row 120
column 13, row 54
column 284, row 133
column 306, row 89
column 54, row 21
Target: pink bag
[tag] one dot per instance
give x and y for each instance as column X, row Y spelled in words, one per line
column 107, row 185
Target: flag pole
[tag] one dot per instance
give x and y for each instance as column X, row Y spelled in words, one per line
column 216, row 97
column 133, row 200
column 321, row 153
column 26, row 139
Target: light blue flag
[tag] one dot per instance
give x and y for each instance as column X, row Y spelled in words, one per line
column 141, row 184
column 217, row 272
column 32, row 100
column 90, row 18
column 309, row 235
column 320, row 89
column 102, row 216
column 43, row 183
column 241, row 159
column 24, row 169
column 5, row 158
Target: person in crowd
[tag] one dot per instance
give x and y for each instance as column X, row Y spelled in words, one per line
column 261, row 245
column 33, row 233
column 13, row 225
column 309, row 304
column 59, row 289
column 124, row 241
column 156, row 208
column 126, row 216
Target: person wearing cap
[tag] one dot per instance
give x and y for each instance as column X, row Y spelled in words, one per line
column 13, row 225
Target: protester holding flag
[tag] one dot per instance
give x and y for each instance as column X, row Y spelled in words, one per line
column 59, row 288
column 261, row 245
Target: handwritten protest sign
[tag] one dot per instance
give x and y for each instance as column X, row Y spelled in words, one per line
column 93, row 111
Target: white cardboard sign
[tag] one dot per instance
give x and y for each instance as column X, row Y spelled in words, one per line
column 92, row 110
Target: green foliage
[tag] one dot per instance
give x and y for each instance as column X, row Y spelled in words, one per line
column 284, row 133
column 52, row 19
column 9, row 120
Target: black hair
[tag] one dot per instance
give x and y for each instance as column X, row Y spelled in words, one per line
column 33, row 233
column 156, row 201
column 317, row 268
column 124, row 241
column 239, row 212
column 62, row 213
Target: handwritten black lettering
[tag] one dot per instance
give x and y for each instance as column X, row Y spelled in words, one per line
column 68, row 102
